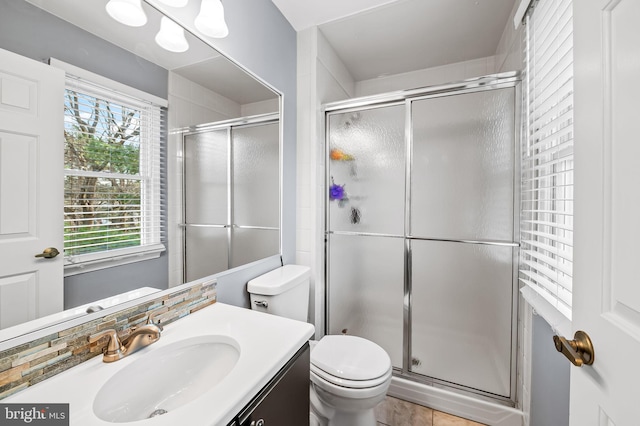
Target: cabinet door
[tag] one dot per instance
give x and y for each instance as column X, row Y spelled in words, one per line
column 285, row 400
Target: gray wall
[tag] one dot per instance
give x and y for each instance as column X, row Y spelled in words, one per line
column 550, row 372
column 31, row 32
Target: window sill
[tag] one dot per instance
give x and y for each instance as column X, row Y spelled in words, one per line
column 558, row 322
column 84, row 263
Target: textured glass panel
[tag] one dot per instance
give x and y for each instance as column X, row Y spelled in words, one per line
column 463, row 166
column 366, row 288
column 366, row 161
column 249, row 245
column 205, row 174
column 206, row 252
column 256, row 179
column 461, row 313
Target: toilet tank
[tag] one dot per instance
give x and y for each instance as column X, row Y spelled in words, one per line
column 283, row 292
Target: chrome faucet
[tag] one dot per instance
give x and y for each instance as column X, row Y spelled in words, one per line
column 138, row 339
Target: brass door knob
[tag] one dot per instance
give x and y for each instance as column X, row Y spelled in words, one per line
column 49, row 253
column 579, row 350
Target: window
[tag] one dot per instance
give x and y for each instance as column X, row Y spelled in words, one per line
column 112, row 176
column 546, row 256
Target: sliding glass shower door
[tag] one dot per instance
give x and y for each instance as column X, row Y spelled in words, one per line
column 462, row 238
column 206, row 203
column 366, row 215
column 256, row 193
column 421, row 240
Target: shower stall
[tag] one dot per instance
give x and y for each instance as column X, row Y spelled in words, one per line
column 422, row 232
column 231, row 194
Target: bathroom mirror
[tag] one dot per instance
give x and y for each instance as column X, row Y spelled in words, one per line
column 207, row 94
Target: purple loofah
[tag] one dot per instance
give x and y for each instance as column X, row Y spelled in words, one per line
column 336, row 192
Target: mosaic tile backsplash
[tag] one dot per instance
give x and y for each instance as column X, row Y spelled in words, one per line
column 38, row 360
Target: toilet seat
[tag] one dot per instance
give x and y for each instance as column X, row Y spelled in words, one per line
column 351, row 384
column 351, row 393
column 350, row 362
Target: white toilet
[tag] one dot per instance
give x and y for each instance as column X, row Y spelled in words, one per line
column 349, row 375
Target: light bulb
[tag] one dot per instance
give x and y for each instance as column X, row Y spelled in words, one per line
column 128, row 12
column 175, row 3
column 171, row 36
column 210, row 20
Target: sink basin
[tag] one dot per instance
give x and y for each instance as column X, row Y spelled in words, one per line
column 166, row 378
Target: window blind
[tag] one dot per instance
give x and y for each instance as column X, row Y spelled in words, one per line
column 113, row 180
column 546, row 255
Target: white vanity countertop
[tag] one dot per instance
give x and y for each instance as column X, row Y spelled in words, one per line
column 266, row 343
column 80, row 311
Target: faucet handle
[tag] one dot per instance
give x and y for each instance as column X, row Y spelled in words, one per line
column 114, row 346
column 153, row 314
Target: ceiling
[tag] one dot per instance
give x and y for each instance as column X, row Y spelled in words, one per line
column 303, row 14
column 384, row 37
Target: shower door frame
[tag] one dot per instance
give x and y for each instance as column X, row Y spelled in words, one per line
column 228, row 125
column 407, row 97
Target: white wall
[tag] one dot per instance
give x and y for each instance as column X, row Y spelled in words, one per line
column 263, row 107
column 509, row 55
column 191, row 103
column 427, row 77
column 322, row 78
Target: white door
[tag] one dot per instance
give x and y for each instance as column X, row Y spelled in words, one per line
column 31, row 188
column 607, row 211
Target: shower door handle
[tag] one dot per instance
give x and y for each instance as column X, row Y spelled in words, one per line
column 579, row 350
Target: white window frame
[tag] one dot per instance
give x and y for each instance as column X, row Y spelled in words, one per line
column 546, row 255
column 150, row 155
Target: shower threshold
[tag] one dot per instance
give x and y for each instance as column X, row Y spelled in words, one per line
column 450, row 399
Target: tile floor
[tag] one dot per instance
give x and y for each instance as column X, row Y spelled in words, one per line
column 396, row 412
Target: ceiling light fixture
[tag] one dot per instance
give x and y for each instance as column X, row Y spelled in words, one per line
column 175, row 3
column 171, row 36
column 210, row 20
column 127, row 12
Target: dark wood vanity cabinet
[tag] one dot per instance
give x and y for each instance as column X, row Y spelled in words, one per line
column 284, row 400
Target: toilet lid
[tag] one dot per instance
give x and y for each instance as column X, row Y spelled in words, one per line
column 350, row 358
column 319, row 376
